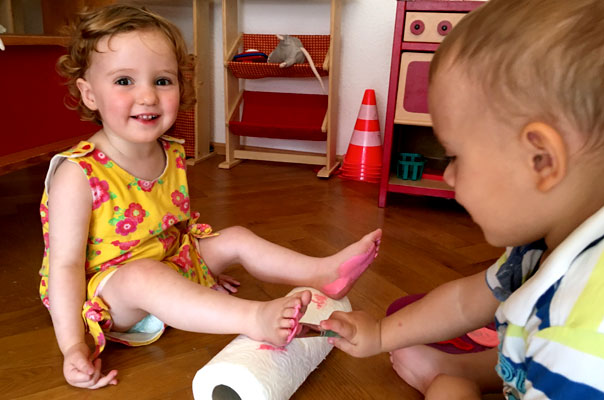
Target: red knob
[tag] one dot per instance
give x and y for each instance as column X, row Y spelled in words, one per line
column 444, row 27
column 417, row 27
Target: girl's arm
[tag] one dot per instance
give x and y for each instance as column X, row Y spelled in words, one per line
column 69, row 209
column 448, row 311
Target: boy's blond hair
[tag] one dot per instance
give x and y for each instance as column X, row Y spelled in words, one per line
column 91, row 26
column 536, row 59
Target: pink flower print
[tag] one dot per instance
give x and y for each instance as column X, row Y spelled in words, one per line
column 167, row 242
column 46, row 302
column 177, row 198
column 168, row 220
column 116, row 261
column 165, row 144
column 184, row 259
column 101, row 339
column 136, row 212
column 46, row 242
column 100, row 157
column 146, row 186
column 180, row 163
column 86, row 167
column 195, row 215
column 125, row 245
column 100, row 192
column 94, row 315
column 185, row 206
column 125, row 226
column 43, row 213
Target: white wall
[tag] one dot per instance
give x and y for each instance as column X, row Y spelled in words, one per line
column 366, row 47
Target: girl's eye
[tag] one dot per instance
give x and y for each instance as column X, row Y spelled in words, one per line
column 124, row 81
column 163, row 82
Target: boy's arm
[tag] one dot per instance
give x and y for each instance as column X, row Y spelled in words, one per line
column 448, row 311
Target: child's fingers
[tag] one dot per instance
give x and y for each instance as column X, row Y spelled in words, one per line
column 343, row 345
column 229, row 288
column 78, row 369
column 338, row 322
column 84, row 365
column 229, row 279
column 109, row 379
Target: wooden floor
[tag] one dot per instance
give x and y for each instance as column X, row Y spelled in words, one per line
column 426, row 242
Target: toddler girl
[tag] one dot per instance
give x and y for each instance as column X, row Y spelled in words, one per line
column 125, row 256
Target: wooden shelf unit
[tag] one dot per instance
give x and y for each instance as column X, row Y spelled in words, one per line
column 419, row 28
column 234, row 42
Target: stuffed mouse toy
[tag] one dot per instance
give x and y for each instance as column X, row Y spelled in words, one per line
column 290, row 51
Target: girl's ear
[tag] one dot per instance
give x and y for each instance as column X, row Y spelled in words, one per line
column 86, row 92
column 547, row 154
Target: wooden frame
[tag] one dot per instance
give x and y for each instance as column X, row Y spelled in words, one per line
column 234, row 151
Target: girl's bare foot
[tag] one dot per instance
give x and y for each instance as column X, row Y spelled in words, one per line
column 348, row 265
column 277, row 319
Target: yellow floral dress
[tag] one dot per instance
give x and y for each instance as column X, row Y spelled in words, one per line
column 131, row 219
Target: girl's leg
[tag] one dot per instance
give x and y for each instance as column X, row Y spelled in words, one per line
column 149, row 287
column 333, row 275
column 420, row 365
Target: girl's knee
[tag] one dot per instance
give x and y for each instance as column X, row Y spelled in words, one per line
column 138, row 272
column 235, row 232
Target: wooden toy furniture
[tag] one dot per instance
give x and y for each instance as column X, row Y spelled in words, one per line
column 279, row 115
column 36, row 124
column 419, row 28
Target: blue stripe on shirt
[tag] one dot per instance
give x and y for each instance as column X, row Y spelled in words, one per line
column 543, row 305
column 556, row 386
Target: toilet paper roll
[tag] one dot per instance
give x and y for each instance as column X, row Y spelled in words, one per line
column 250, row 370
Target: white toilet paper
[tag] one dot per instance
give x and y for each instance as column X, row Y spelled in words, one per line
column 250, row 370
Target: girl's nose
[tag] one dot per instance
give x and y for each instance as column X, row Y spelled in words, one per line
column 449, row 175
column 147, row 96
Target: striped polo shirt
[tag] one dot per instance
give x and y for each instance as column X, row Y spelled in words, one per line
column 551, row 319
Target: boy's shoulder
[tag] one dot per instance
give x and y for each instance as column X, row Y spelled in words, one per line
column 573, row 267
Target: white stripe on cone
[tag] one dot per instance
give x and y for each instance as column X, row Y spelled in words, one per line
column 366, row 139
column 368, row 112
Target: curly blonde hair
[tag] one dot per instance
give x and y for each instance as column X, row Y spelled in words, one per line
column 535, row 59
column 92, row 26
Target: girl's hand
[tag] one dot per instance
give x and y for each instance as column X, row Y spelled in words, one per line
column 226, row 284
column 360, row 333
column 79, row 371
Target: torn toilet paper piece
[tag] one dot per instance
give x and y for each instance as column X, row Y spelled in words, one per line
column 250, row 370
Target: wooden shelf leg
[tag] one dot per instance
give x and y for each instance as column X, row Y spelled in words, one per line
column 326, row 171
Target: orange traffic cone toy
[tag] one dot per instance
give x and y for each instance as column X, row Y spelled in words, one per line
column 363, row 160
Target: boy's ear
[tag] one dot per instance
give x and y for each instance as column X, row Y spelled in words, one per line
column 547, row 154
column 86, row 92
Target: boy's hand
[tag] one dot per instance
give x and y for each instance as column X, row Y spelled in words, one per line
column 79, row 371
column 360, row 333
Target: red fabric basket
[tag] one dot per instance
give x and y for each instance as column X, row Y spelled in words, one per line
column 282, row 116
column 316, row 45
